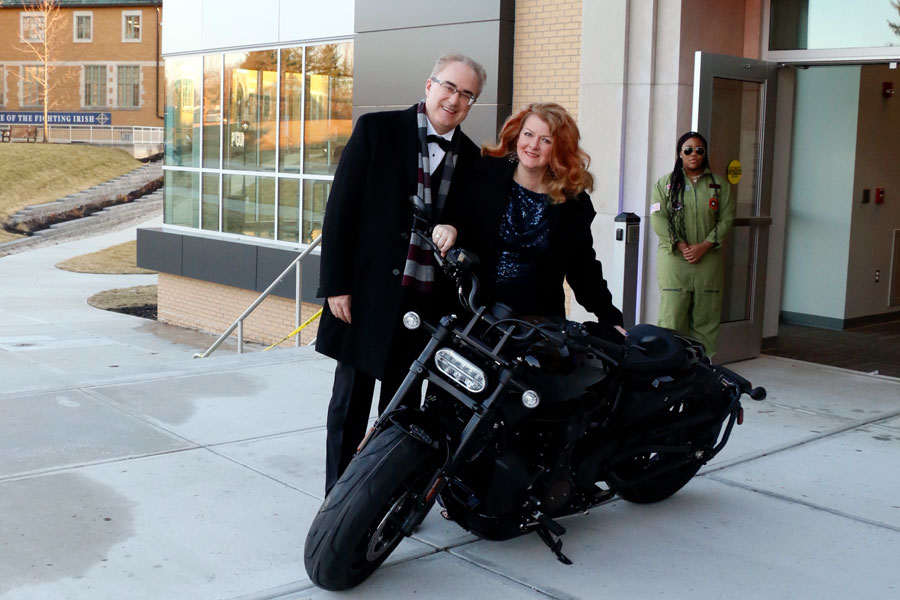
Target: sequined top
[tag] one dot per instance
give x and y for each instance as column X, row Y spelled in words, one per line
column 523, row 245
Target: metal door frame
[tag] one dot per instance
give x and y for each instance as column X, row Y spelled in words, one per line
column 743, row 339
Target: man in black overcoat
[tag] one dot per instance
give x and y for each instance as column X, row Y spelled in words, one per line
column 366, row 240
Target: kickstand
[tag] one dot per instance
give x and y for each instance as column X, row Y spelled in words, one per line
column 546, row 529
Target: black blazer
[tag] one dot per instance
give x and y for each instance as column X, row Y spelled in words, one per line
column 365, row 235
column 571, row 255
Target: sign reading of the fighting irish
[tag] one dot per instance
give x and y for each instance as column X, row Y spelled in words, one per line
column 55, row 118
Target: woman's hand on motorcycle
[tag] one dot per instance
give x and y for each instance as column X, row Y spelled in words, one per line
column 621, row 330
column 444, row 236
column 340, row 307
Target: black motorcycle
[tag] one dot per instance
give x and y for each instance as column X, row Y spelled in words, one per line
column 524, row 420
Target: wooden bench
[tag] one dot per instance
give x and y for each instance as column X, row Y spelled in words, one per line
column 29, row 133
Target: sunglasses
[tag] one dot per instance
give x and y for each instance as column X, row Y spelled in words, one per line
column 688, row 150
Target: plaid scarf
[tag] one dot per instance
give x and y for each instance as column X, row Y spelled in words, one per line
column 418, row 273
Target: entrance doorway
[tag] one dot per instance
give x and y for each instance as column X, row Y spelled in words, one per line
column 734, row 100
column 837, row 265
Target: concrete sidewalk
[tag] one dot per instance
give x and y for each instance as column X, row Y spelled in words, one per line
column 129, row 470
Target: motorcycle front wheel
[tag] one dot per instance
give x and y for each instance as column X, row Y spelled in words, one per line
column 360, row 522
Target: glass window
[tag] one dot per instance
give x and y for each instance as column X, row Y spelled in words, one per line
column 131, row 26
column 328, row 105
column 33, row 85
column 32, row 28
column 315, row 194
column 250, row 113
column 182, row 124
column 129, row 88
column 289, row 210
column 249, row 205
column 253, row 122
column 291, row 110
column 210, row 207
column 83, row 26
column 817, row 24
column 212, row 110
column 94, row 85
column 181, row 198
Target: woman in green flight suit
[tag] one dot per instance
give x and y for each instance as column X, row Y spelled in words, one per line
column 692, row 213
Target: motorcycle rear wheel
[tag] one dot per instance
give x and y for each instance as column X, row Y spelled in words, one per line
column 359, row 524
column 660, row 487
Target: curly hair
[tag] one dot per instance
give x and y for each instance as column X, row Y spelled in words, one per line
column 567, row 172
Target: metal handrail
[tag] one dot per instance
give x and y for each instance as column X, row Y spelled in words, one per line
column 239, row 322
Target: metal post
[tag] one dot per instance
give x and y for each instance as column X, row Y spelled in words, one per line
column 241, row 336
column 623, row 283
column 297, row 305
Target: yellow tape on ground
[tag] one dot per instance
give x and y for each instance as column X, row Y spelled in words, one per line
column 298, row 330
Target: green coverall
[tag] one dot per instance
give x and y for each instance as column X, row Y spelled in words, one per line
column 690, row 295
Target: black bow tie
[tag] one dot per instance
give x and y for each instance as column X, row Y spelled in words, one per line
column 440, row 140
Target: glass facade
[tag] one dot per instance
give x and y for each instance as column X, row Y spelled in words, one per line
column 182, row 198
column 182, row 123
column 820, row 24
column 265, row 143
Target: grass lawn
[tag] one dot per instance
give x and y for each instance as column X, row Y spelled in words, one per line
column 117, row 260
column 39, row 173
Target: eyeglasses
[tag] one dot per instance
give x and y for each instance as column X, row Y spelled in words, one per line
column 688, row 150
column 451, row 89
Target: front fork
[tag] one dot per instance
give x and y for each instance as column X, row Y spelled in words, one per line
column 481, row 419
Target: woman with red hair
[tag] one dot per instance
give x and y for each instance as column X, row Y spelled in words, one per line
column 528, row 217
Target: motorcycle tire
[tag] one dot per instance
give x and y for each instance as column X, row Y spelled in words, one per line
column 661, row 487
column 358, row 525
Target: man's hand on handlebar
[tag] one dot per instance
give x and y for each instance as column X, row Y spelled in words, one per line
column 340, row 307
column 444, row 236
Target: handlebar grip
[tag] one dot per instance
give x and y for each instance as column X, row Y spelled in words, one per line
column 758, row 393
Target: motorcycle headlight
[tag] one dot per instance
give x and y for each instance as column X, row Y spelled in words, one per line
column 460, row 370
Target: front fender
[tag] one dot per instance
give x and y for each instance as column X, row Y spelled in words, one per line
column 421, row 427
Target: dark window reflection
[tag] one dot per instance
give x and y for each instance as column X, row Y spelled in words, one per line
column 315, row 194
column 210, row 204
column 289, row 210
column 249, row 205
column 181, row 198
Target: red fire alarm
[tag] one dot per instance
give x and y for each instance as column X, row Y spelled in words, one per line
column 887, row 88
column 879, row 195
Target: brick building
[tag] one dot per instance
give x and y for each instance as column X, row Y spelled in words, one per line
column 102, row 64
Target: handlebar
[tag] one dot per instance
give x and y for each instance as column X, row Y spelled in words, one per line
column 756, row 393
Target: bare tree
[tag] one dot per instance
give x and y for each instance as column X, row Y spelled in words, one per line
column 43, row 34
column 895, row 27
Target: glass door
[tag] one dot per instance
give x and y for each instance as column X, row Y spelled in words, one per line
column 734, row 107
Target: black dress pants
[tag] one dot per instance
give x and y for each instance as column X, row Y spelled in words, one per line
column 351, row 401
